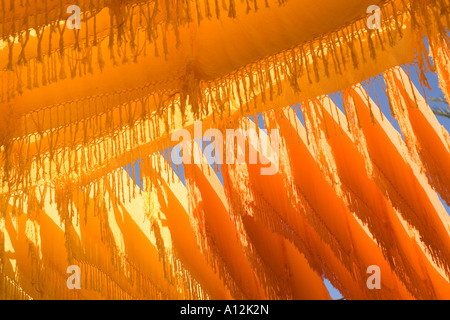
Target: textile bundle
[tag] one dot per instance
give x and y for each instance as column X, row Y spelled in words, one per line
column 78, row 105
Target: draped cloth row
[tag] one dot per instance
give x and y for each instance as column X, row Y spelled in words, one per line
column 350, row 192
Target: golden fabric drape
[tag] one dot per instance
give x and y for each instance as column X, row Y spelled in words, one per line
column 79, row 105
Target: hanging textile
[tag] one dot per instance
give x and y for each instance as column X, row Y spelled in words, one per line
column 80, row 104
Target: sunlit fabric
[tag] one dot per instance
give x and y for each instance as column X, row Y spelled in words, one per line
column 78, row 106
